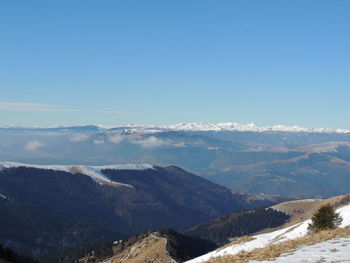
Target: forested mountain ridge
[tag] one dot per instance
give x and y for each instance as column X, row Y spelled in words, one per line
column 220, row 230
column 45, row 209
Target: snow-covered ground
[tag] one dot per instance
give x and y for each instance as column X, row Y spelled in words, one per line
column 333, row 250
column 92, row 171
column 263, row 240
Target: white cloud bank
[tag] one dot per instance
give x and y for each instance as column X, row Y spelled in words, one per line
column 78, row 138
column 144, row 142
column 150, row 142
column 99, row 142
column 117, row 138
column 33, row 145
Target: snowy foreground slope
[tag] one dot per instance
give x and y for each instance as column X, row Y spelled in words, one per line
column 95, row 172
column 333, row 250
column 278, row 236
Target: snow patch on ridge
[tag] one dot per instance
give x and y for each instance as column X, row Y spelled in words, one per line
column 95, row 172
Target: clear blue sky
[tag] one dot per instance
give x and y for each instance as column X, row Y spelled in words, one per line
column 160, row 62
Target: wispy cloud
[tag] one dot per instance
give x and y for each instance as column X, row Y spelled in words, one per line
column 28, row 106
column 98, row 142
column 33, row 145
column 116, row 138
column 150, row 142
column 78, row 138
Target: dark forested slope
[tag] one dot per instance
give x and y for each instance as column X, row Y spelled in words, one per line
column 42, row 210
column 7, row 255
column 237, row 224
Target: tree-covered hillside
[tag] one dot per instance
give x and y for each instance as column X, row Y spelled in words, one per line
column 42, row 210
column 237, row 224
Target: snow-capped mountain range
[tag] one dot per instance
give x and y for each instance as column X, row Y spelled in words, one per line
column 250, row 127
column 200, row 126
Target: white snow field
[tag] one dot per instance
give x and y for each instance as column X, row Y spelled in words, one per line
column 333, row 250
column 263, row 240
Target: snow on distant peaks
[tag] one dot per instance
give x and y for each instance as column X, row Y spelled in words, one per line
column 95, row 172
column 250, row 127
column 197, row 126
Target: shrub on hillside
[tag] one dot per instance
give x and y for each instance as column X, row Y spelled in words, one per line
column 324, row 219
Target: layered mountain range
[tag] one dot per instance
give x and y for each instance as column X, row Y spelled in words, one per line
column 276, row 160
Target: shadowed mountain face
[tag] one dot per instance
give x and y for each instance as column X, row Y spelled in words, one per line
column 9, row 256
column 220, row 230
column 295, row 164
column 46, row 209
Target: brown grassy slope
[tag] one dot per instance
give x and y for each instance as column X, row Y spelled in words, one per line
column 275, row 250
column 150, row 249
column 303, row 210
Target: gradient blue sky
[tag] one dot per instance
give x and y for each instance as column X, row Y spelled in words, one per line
column 162, row 62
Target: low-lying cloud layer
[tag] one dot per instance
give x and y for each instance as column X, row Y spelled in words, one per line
column 33, row 145
column 150, row 142
column 78, row 138
column 145, row 142
column 116, row 138
column 99, row 142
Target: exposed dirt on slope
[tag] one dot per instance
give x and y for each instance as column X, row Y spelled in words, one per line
column 151, row 249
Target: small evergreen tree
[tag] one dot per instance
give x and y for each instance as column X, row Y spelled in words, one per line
column 325, row 218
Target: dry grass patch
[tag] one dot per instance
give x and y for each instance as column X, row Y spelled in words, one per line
column 304, row 209
column 275, row 250
column 150, row 249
